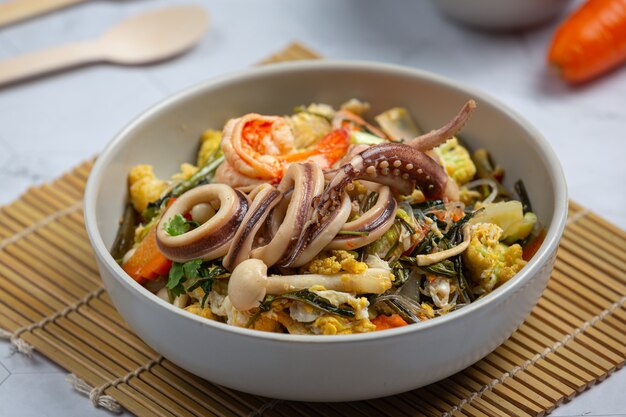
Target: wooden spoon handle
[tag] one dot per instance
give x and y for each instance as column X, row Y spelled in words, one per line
column 15, row 10
column 48, row 60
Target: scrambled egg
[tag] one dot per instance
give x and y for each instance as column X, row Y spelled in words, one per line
column 199, row 311
column 329, row 324
column 490, row 262
column 426, row 312
column 144, row 186
column 339, row 260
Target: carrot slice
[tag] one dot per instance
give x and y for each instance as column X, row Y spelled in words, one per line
column 147, row 263
column 383, row 322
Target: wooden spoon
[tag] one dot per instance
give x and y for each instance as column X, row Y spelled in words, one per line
column 12, row 11
column 142, row 39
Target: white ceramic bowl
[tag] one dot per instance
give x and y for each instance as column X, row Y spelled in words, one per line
column 324, row 368
column 502, row 14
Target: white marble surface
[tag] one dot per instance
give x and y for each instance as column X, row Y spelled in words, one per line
column 50, row 124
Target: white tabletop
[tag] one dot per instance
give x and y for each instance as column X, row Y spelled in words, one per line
column 51, row 124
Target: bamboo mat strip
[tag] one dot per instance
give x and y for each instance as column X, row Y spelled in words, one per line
column 574, row 337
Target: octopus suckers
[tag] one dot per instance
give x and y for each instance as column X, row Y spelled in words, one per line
column 371, row 169
column 397, row 163
column 396, row 172
column 405, row 176
column 384, row 164
column 420, row 171
column 409, row 166
column 384, row 171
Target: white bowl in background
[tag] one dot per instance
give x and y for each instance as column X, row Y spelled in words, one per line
column 502, row 14
column 324, row 368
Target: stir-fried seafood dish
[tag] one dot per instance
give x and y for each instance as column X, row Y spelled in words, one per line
column 323, row 223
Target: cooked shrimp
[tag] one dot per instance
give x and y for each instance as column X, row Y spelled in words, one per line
column 226, row 174
column 252, row 143
column 262, row 147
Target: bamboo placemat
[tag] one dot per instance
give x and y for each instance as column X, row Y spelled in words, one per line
column 52, row 300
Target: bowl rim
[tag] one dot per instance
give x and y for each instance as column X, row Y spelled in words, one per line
column 542, row 256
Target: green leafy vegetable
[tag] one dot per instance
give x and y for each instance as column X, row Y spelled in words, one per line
column 362, row 138
column 369, row 201
column 204, row 175
column 178, row 225
column 445, row 268
column 520, row 189
column 125, row 234
column 186, row 277
column 420, row 207
column 174, row 279
column 304, row 296
column 400, row 272
column 426, row 245
column 486, row 170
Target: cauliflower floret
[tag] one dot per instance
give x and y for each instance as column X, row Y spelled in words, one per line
column 307, row 128
column 490, row 262
column 186, row 171
column 339, row 260
column 144, row 186
column 457, row 161
column 210, row 141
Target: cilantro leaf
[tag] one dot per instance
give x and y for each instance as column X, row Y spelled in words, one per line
column 177, row 225
column 176, row 274
column 192, row 268
column 176, row 278
column 186, row 277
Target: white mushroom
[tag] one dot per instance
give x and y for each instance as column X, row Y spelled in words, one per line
column 249, row 283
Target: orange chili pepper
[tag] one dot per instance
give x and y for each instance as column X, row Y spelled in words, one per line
column 591, row 41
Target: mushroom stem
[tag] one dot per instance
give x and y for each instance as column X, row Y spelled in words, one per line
column 249, row 283
column 372, row 281
column 433, row 258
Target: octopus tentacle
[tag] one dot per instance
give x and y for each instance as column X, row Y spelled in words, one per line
column 307, row 181
column 396, row 165
column 211, row 239
column 437, row 137
column 264, row 198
